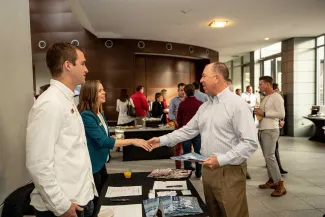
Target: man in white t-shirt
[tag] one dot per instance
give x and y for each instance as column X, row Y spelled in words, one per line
column 250, row 98
column 272, row 111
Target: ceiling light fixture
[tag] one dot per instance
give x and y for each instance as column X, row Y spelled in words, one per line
column 218, row 24
column 266, row 39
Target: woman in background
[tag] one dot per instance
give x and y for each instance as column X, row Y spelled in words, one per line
column 121, row 108
column 158, row 108
column 99, row 142
column 281, row 124
column 164, row 95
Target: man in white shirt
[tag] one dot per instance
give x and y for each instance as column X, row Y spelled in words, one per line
column 229, row 137
column 272, row 111
column 57, row 156
column 250, row 98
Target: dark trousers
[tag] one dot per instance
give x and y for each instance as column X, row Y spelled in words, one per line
column 178, row 152
column 87, row 212
column 187, row 145
column 277, row 154
column 99, row 178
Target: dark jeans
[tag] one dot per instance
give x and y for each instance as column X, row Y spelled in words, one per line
column 87, row 212
column 196, row 141
column 99, row 178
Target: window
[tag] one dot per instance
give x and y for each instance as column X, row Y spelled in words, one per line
column 320, row 40
column 320, row 75
column 271, row 50
column 278, row 68
column 246, row 77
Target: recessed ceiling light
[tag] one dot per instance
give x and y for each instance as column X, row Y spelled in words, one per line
column 218, row 24
column 266, row 39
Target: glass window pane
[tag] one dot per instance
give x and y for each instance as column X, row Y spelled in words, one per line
column 237, row 78
column 237, row 62
column 320, row 75
column 246, row 58
column 271, row 50
column 247, row 77
column 267, row 68
column 320, row 40
column 278, row 72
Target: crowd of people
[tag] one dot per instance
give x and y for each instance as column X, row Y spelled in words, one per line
column 68, row 145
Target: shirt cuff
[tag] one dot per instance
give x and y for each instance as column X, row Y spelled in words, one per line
column 222, row 159
column 63, row 207
column 163, row 140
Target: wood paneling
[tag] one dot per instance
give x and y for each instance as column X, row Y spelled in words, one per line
column 120, row 66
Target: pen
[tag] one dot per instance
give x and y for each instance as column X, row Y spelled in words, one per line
column 118, row 200
column 172, row 186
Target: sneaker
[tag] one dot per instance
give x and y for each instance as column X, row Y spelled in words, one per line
column 279, row 190
column 268, row 185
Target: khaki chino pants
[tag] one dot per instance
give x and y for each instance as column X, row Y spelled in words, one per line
column 225, row 190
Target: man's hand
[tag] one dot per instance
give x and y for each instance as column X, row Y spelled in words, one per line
column 211, row 162
column 113, row 137
column 154, row 143
column 259, row 112
column 142, row 144
column 281, row 124
column 71, row 212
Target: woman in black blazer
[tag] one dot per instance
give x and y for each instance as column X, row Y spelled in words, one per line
column 158, row 108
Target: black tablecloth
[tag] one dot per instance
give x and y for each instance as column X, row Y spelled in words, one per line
column 131, row 153
column 319, row 132
column 118, row 180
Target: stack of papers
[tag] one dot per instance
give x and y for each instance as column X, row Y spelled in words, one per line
column 134, row 210
column 190, row 157
column 170, row 173
column 172, row 206
column 170, row 185
column 123, row 191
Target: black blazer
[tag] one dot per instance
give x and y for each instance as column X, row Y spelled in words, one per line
column 158, row 110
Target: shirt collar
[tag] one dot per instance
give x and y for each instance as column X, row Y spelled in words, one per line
column 65, row 90
column 220, row 96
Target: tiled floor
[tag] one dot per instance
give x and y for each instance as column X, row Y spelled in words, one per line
column 305, row 182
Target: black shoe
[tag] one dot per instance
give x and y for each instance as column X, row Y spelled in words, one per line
column 282, row 171
column 248, row 176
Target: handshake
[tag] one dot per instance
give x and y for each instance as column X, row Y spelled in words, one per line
column 148, row 145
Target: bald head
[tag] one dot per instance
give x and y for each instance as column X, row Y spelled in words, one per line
column 219, row 68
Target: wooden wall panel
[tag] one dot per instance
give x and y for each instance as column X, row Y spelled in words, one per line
column 125, row 65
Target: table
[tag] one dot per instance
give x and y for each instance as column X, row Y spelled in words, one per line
column 118, row 180
column 319, row 123
column 133, row 153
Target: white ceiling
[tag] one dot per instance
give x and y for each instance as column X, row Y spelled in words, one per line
column 250, row 21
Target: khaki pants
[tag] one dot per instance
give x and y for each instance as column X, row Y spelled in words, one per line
column 225, row 190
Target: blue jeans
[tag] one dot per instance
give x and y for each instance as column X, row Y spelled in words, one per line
column 196, row 141
column 87, row 212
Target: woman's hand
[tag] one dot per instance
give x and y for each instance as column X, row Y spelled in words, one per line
column 142, row 144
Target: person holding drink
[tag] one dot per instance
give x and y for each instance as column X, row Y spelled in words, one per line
column 250, row 98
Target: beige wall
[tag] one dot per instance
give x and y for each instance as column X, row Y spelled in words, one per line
column 16, row 89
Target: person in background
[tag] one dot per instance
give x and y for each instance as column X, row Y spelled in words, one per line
column 42, row 89
column 186, row 111
column 281, row 124
column 92, row 97
column 229, row 138
column 158, row 108
column 272, row 110
column 250, row 98
column 57, row 157
column 121, row 107
column 198, row 94
column 229, row 83
column 140, row 102
column 238, row 92
column 172, row 115
column 164, row 95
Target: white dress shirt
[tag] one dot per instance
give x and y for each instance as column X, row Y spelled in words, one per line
column 122, row 109
column 250, row 97
column 226, row 126
column 57, row 156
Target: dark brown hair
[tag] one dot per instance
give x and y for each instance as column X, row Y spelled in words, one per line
column 222, row 69
column 157, row 95
column 189, row 90
column 196, row 85
column 88, row 99
column 124, row 95
column 275, row 86
column 139, row 88
column 267, row 79
column 180, row 85
column 45, row 87
column 57, row 54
